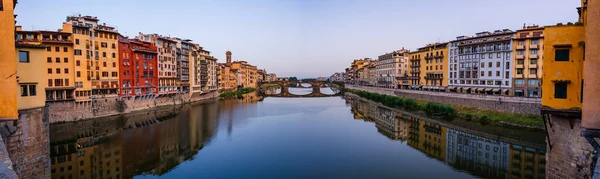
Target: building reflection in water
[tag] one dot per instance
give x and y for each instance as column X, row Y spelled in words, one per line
column 480, row 154
column 148, row 143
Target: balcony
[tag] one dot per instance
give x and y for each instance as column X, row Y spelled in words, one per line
column 415, row 71
column 533, row 56
column 533, row 65
column 519, row 76
column 532, row 46
column 428, row 57
column 415, row 66
column 520, row 57
column 519, row 66
column 520, row 47
column 415, row 59
column 439, row 56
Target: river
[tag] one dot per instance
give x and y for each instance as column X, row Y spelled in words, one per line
column 269, row 137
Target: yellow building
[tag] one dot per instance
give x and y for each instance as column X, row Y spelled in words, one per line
column 526, row 162
column 8, row 64
column 415, row 60
column 31, row 82
column 431, row 73
column 95, row 50
column 248, row 73
column 563, row 67
column 59, row 75
column 527, row 76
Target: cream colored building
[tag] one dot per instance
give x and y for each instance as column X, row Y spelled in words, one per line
column 30, row 82
column 527, row 65
column 167, row 61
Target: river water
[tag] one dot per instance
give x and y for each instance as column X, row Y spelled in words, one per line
column 269, row 137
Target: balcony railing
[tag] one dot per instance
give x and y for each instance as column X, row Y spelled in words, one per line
column 534, row 46
column 520, row 56
column 520, row 47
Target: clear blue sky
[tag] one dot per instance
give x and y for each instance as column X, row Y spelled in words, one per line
column 304, row 38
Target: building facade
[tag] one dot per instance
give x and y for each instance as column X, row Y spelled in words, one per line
column 390, row 66
column 59, row 81
column 429, row 67
column 481, row 64
column 8, row 64
column 167, row 65
column 99, row 73
column 31, row 82
column 138, row 66
column 527, row 63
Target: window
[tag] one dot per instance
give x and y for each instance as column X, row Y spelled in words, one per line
column 533, row 71
column 77, row 52
column 49, row 59
column 506, row 75
column 78, row 74
column 114, row 55
column 534, row 52
column 533, row 82
column 65, row 49
column 57, row 59
column 104, row 64
column 497, row 64
column 497, row 73
column 497, row 55
column 482, row 65
column 519, row 82
column 533, row 61
column 520, row 62
column 32, row 91
column 560, row 90
column 66, row 71
column 490, row 64
column 489, row 73
column 24, row 90
column 103, row 54
column 23, row 56
column 77, row 41
column 77, row 63
column 561, row 55
column 114, row 64
column 114, row 74
column 520, row 52
column 490, row 56
column 66, row 60
column 49, row 70
column 113, row 46
column 57, row 49
column 50, row 82
column 507, row 65
column 103, row 44
column 482, row 73
column 534, row 42
column 521, row 42
column 58, row 71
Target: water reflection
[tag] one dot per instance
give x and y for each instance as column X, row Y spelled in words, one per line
column 137, row 144
column 481, row 154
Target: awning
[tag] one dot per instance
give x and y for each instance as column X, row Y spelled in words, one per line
column 459, row 89
column 504, row 90
column 452, row 87
column 518, row 91
column 419, row 86
column 496, row 90
column 467, row 89
column 488, row 89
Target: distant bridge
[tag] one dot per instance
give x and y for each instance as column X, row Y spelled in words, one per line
column 315, row 85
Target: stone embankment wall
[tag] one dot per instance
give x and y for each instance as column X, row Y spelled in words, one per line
column 73, row 111
column 569, row 155
column 27, row 145
column 497, row 103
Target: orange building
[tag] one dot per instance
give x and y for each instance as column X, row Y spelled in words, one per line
column 8, row 64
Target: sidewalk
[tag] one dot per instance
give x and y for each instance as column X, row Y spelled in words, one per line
column 455, row 95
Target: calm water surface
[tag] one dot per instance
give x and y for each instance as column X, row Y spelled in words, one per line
column 256, row 137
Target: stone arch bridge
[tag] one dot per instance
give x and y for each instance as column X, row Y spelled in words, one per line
column 315, row 85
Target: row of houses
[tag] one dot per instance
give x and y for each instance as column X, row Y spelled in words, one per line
column 502, row 62
column 557, row 63
column 86, row 59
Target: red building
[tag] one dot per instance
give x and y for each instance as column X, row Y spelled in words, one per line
column 138, row 67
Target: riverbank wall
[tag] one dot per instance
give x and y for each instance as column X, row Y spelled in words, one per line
column 514, row 105
column 106, row 106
